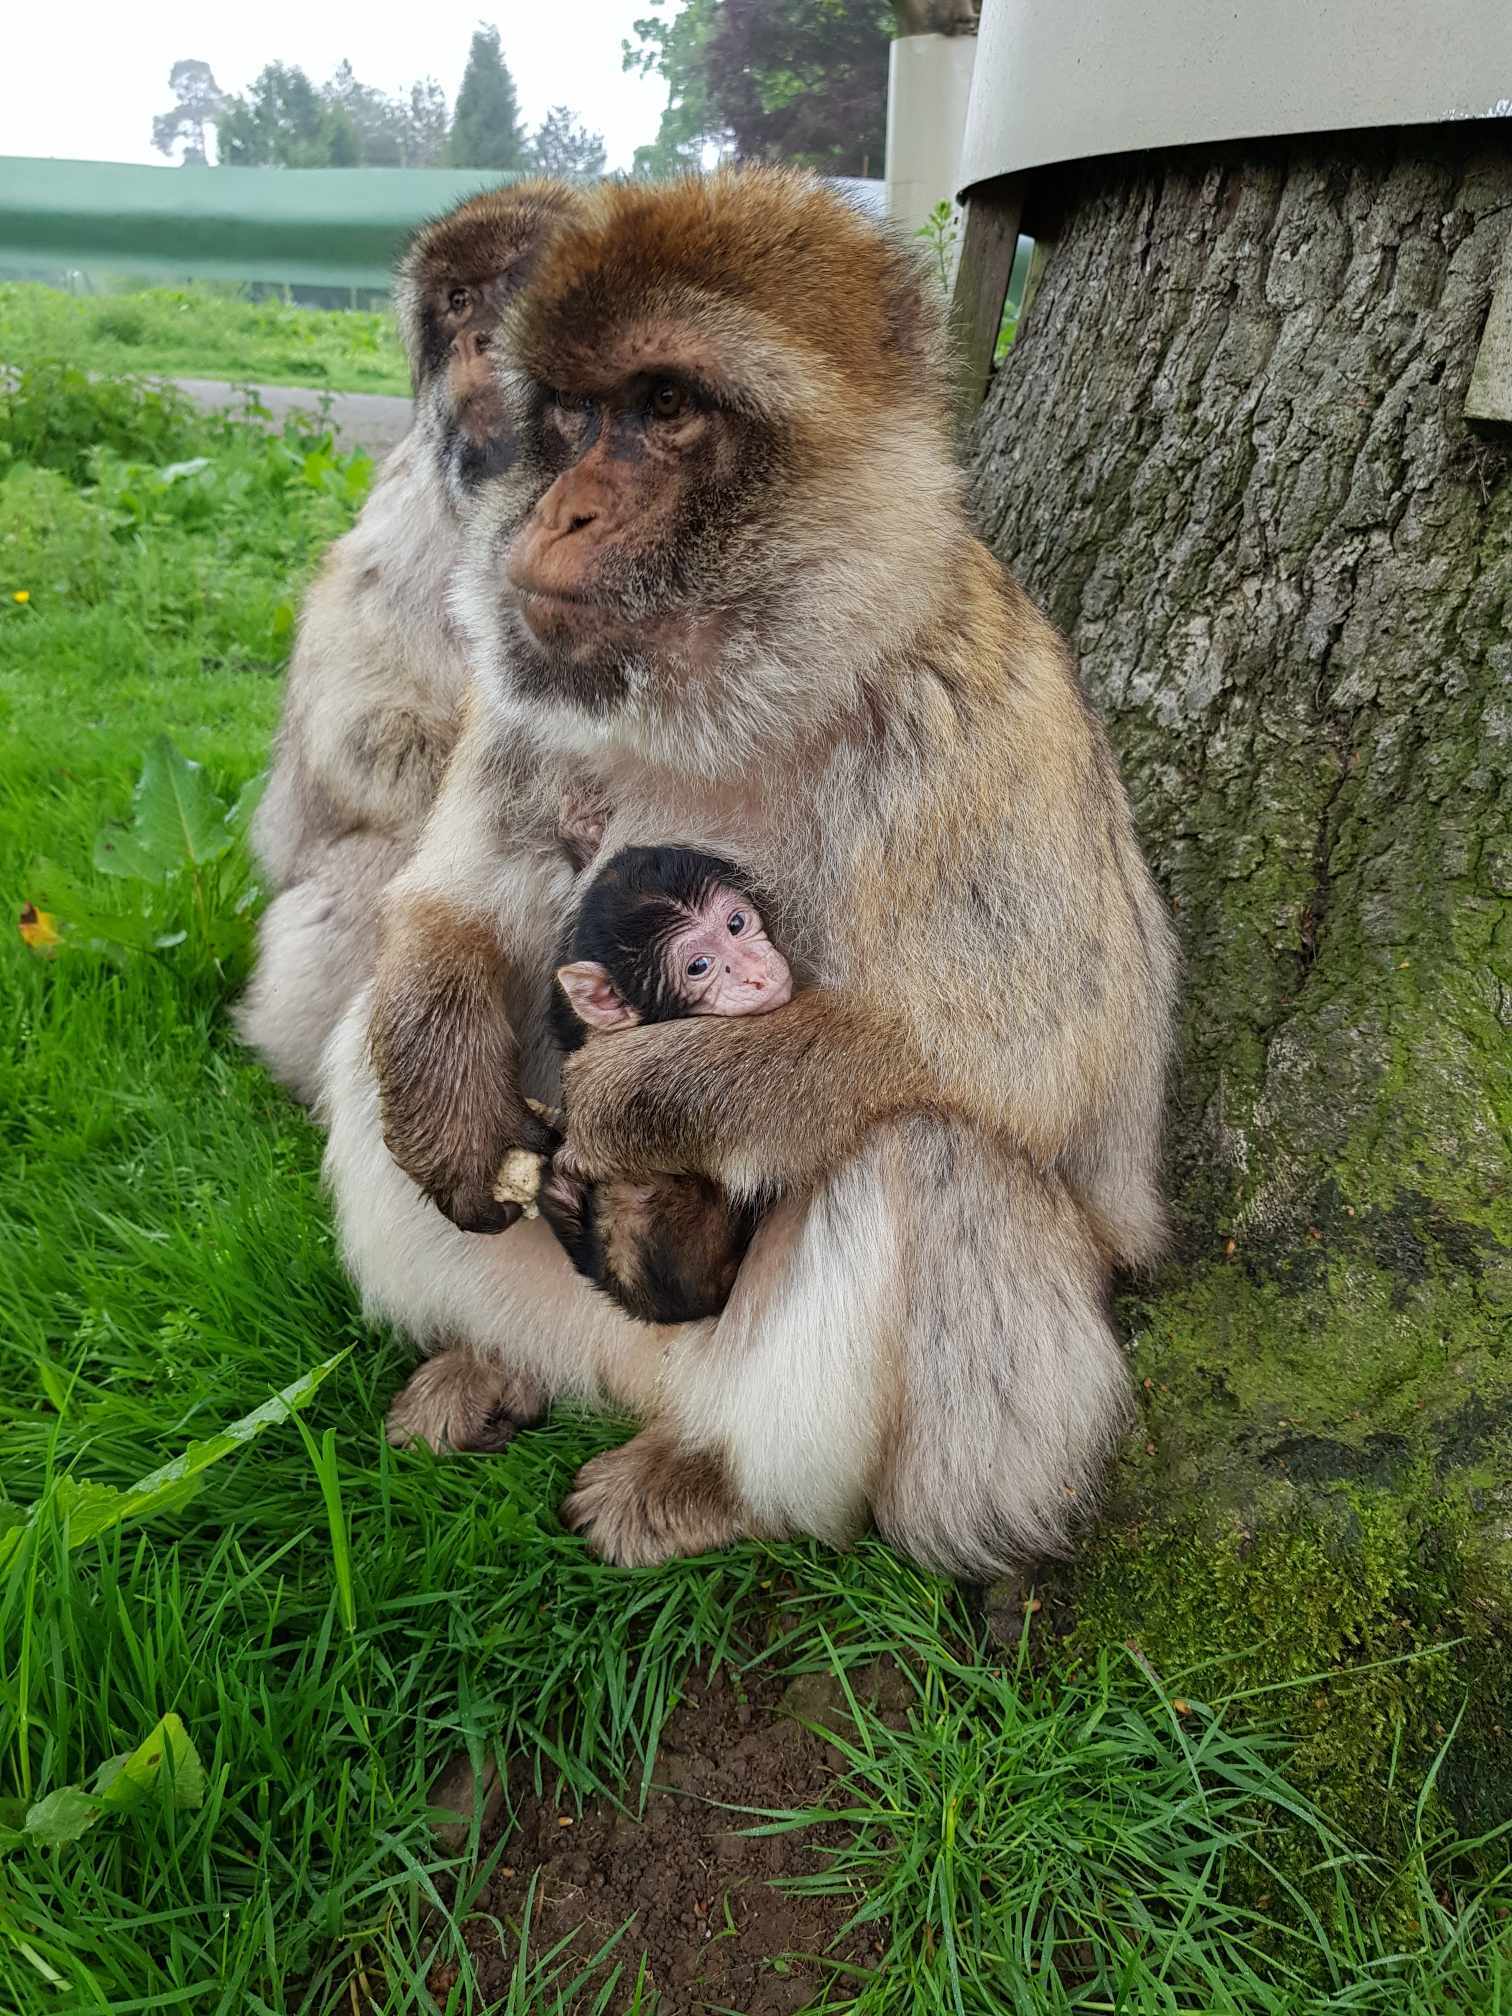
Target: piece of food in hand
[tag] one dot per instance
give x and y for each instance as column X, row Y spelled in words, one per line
column 519, row 1180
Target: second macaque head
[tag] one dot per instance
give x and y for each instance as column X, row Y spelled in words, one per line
column 666, row 932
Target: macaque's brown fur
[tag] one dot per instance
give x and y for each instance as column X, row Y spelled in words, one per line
column 372, row 706
column 760, row 621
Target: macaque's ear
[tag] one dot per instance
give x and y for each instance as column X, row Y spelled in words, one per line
column 593, row 997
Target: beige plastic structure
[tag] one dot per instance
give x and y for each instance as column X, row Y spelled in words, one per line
column 1059, row 80
column 928, row 90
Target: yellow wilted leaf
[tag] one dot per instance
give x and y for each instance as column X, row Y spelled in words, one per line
column 39, row 929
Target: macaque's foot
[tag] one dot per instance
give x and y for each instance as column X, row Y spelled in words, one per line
column 459, row 1403
column 651, row 1501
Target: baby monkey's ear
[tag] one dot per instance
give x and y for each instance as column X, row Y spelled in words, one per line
column 593, row 997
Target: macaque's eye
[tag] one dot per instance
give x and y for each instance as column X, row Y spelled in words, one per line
column 458, row 299
column 571, row 402
column 668, row 400
column 737, row 923
column 698, row 967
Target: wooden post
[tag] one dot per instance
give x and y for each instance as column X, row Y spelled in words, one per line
column 993, row 213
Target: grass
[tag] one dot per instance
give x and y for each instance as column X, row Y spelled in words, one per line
column 329, row 1619
column 203, row 332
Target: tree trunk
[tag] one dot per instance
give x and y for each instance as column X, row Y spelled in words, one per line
column 1227, row 455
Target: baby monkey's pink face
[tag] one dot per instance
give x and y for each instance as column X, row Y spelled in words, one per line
column 725, row 964
column 721, row 962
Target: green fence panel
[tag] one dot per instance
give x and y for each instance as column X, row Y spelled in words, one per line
column 322, row 227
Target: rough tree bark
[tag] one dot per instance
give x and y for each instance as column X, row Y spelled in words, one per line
column 1227, row 455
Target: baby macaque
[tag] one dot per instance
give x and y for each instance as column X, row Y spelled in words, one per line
column 663, row 933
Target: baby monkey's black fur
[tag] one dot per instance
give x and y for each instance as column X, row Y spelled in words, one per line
column 667, row 1250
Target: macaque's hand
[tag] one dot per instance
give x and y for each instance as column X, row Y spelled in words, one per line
column 461, row 1160
column 453, row 1111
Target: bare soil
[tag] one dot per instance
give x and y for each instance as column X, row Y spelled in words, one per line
column 700, row 1891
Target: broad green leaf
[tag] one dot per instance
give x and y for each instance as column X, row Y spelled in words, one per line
column 177, row 821
column 62, row 1816
column 92, row 1509
column 122, row 1781
column 239, row 818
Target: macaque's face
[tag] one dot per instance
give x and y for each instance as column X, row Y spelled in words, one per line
column 719, row 962
column 465, row 316
column 725, row 964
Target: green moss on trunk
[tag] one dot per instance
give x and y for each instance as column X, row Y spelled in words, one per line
column 1227, row 454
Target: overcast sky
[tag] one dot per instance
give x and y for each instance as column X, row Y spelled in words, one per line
column 85, row 80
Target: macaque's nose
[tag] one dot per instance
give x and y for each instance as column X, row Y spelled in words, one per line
column 468, row 345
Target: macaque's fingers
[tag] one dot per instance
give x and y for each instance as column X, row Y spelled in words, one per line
column 448, row 1074
column 475, row 1211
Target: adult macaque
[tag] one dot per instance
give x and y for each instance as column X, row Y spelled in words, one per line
column 730, row 576
column 662, row 933
column 373, row 702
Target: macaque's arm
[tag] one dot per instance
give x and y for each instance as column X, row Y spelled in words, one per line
column 481, row 893
column 755, row 1103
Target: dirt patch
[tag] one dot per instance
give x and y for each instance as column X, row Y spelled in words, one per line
column 716, row 1932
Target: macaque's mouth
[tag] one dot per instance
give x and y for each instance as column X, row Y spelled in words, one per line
column 780, row 995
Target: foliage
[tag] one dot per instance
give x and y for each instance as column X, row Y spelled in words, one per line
column 183, row 856
column 198, row 103
column 563, row 146
column 57, row 417
column 426, row 126
column 407, row 131
column 940, row 231
column 486, row 132
column 204, row 330
column 284, row 122
column 164, row 1759
column 325, row 1619
column 691, row 126
column 785, row 80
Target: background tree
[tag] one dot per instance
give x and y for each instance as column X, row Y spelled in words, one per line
column 782, row 80
column 198, row 102
column 692, row 132
column 486, row 131
column 375, row 122
column 1227, row 453
column 427, row 125
column 563, row 145
column 284, row 122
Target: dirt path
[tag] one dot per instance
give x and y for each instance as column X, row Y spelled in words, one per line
column 374, row 421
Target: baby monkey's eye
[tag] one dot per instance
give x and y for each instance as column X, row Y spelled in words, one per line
column 458, row 299
column 668, row 400
column 737, row 923
column 697, row 968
